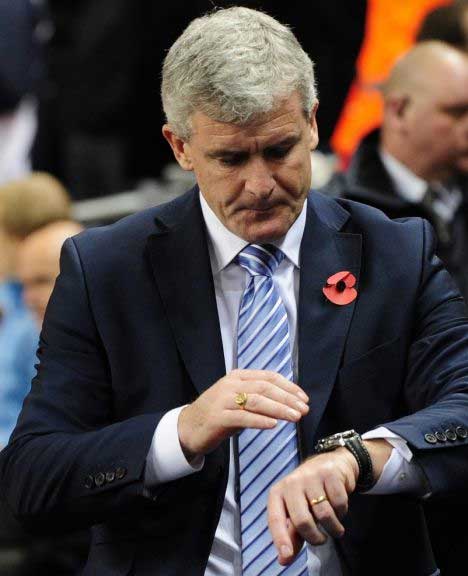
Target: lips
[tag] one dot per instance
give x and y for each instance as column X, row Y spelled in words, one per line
column 261, row 208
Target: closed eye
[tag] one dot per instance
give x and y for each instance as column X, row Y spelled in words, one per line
column 232, row 159
column 278, row 152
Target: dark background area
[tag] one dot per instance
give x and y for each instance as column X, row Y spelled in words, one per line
column 100, row 98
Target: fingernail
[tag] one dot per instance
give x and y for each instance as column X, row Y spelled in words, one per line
column 285, row 551
column 294, row 414
column 301, row 406
column 303, row 395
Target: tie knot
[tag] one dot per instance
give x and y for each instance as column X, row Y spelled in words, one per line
column 260, row 260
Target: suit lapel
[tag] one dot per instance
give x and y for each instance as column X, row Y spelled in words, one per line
column 322, row 325
column 180, row 261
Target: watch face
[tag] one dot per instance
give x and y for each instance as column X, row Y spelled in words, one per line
column 334, row 441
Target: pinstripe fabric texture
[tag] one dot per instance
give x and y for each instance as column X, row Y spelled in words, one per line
column 265, row 456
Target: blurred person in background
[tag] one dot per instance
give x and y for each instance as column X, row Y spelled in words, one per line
column 38, row 263
column 26, row 206
column 417, row 163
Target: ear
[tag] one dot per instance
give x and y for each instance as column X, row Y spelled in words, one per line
column 179, row 147
column 396, row 106
column 314, row 137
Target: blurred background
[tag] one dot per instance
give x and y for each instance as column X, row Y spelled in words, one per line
column 83, row 78
column 81, row 145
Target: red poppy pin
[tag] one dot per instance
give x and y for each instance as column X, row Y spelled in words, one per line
column 339, row 288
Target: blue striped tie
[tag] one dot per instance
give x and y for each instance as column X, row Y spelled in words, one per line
column 265, row 456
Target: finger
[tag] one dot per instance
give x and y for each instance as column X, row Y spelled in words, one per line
column 240, row 419
column 273, row 392
column 282, row 533
column 298, row 510
column 337, row 496
column 259, row 404
column 274, row 378
column 296, row 538
column 325, row 516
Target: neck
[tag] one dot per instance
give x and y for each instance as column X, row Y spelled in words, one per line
column 417, row 164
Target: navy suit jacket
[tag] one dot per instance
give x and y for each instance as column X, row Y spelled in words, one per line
column 132, row 331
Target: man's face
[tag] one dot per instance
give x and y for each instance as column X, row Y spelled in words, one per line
column 256, row 177
column 437, row 125
column 37, row 271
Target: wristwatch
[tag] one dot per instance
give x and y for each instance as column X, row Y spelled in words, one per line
column 353, row 442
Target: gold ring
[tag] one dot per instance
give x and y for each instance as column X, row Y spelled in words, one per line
column 241, row 400
column 315, row 501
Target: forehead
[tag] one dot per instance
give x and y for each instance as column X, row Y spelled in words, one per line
column 285, row 120
column 447, row 85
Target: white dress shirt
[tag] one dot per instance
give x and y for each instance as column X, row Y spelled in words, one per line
column 412, row 188
column 166, row 461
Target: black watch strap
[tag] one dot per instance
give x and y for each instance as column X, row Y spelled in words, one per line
column 353, row 442
column 366, row 471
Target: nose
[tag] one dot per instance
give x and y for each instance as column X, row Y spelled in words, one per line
column 259, row 180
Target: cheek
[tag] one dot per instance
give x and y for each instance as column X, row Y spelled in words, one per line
column 43, row 294
column 295, row 178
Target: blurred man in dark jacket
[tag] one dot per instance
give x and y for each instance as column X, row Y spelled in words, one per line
column 416, row 164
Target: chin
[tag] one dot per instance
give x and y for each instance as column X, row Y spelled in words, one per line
column 265, row 233
column 263, row 227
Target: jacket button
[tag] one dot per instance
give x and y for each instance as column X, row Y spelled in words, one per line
column 430, row 438
column 110, row 476
column 441, row 437
column 89, row 482
column 461, row 432
column 100, row 479
column 451, row 434
column 120, row 473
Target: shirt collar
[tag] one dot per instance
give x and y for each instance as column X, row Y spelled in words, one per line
column 224, row 245
column 408, row 186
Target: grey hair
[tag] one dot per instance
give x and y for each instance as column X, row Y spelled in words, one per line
column 233, row 65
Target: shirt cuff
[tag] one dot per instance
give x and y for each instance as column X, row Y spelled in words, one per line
column 400, row 445
column 166, row 460
column 400, row 474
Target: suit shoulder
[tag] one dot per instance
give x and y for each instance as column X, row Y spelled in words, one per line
column 370, row 216
column 361, row 216
column 130, row 233
column 382, row 237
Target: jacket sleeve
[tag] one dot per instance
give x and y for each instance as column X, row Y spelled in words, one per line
column 436, row 386
column 67, row 440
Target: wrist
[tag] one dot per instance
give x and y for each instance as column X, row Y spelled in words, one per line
column 184, row 437
column 380, row 451
column 352, row 441
column 346, row 454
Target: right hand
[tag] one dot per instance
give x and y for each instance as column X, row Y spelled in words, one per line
column 215, row 416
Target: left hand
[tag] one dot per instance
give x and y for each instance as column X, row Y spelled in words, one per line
column 291, row 517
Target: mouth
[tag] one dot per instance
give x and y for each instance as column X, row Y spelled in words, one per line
column 261, row 208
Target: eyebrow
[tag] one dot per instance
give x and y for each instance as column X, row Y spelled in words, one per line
column 224, row 152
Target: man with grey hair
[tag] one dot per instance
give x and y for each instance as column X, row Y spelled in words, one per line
column 202, row 362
